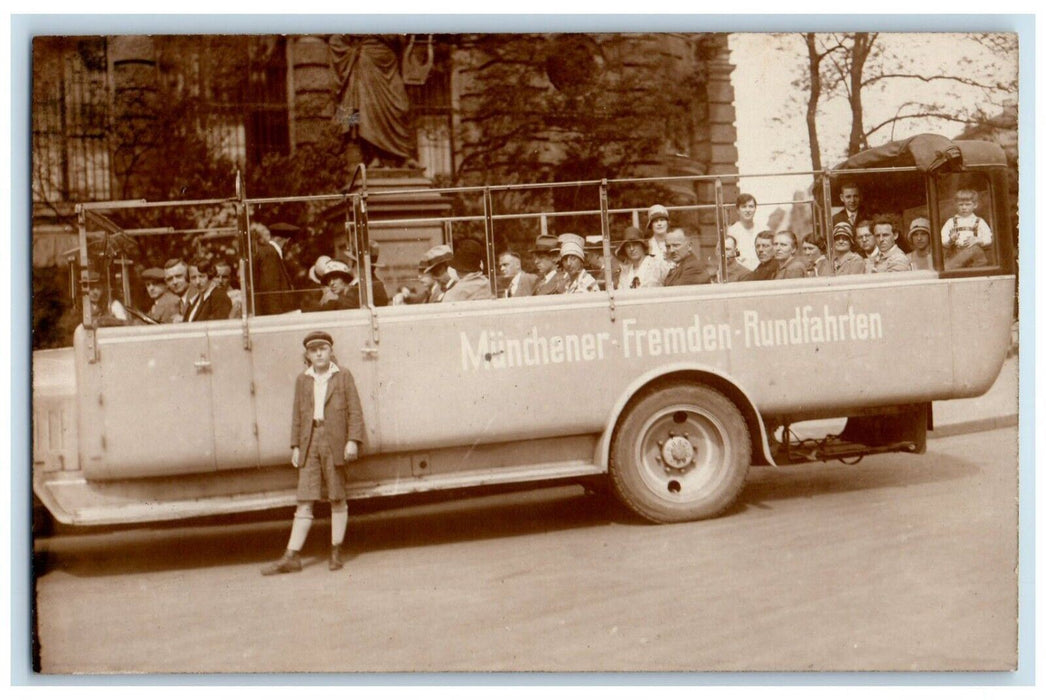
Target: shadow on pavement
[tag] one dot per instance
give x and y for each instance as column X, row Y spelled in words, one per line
column 257, row 538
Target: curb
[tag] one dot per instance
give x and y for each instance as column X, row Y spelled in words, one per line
column 974, row 426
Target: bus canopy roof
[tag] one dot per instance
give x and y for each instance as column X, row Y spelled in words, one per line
column 927, row 152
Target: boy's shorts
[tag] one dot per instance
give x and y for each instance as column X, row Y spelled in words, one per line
column 320, row 479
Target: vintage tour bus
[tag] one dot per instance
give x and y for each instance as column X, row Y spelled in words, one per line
column 667, row 395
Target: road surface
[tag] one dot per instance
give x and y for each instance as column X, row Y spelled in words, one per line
column 899, row 563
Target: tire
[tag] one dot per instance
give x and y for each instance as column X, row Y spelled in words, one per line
column 680, row 453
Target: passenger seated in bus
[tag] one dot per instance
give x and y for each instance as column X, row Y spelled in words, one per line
column 435, row 266
column 789, row 264
column 815, row 256
column 576, row 278
column 846, row 262
column 165, row 302
column 890, row 257
column 223, row 281
column 546, row 259
column 965, row 235
column 176, row 275
column 326, row 436
column 468, row 261
column 340, row 294
column 517, row 282
column 850, row 196
column 919, row 235
column 743, row 232
column 657, row 224
column 735, row 271
column 102, row 314
column 639, row 268
column 764, row 250
column 688, row 266
column 380, row 297
column 865, row 239
column 211, row 303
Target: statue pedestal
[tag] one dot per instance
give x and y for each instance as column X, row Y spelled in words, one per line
column 405, row 226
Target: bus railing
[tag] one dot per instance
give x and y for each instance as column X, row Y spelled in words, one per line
column 357, row 220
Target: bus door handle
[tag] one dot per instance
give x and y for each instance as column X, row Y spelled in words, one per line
column 203, row 364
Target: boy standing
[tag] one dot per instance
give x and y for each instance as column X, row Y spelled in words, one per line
column 326, row 434
column 965, row 235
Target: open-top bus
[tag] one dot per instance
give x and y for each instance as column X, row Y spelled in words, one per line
column 667, row 392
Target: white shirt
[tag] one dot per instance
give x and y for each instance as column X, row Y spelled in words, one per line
column 319, row 389
column 745, row 238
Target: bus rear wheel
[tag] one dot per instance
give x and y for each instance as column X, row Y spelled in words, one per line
column 680, row 453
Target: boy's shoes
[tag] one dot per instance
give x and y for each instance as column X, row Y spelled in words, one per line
column 290, row 562
column 335, row 562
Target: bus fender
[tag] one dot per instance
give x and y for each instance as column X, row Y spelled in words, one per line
column 700, row 374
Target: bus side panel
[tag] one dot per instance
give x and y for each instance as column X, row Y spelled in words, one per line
column 981, row 319
column 235, row 438
column 154, row 403
column 832, row 345
column 278, row 358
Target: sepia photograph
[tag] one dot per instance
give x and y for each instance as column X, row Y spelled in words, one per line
column 524, row 351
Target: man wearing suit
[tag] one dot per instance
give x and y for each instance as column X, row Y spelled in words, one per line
column 271, row 281
column 326, row 434
column 851, row 213
column 520, row 284
column 546, row 260
column 688, row 269
column 176, row 275
column 212, row 303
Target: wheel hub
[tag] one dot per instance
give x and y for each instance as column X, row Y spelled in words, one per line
column 677, row 452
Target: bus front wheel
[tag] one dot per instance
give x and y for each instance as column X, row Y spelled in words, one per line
column 680, row 453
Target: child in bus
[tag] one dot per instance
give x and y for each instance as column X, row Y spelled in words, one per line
column 326, row 434
column 965, row 235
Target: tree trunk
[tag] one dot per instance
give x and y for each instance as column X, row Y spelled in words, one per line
column 811, row 103
column 861, row 48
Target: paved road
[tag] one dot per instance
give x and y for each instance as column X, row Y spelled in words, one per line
column 899, row 563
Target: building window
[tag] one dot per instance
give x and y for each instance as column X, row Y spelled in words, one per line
column 240, row 83
column 431, row 111
column 70, row 140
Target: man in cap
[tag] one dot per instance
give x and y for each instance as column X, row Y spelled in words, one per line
column 468, row 261
column 437, row 273
column 846, row 262
column 165, row 303
column 546, row 259
column 688, row 268
column 919, row 235
column 572, row 260
column 176, row 275
column 517, row 282
column 326, row 435
column 657, row 224
column 271, row 281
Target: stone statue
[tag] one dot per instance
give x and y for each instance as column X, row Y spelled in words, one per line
column 372, row 104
